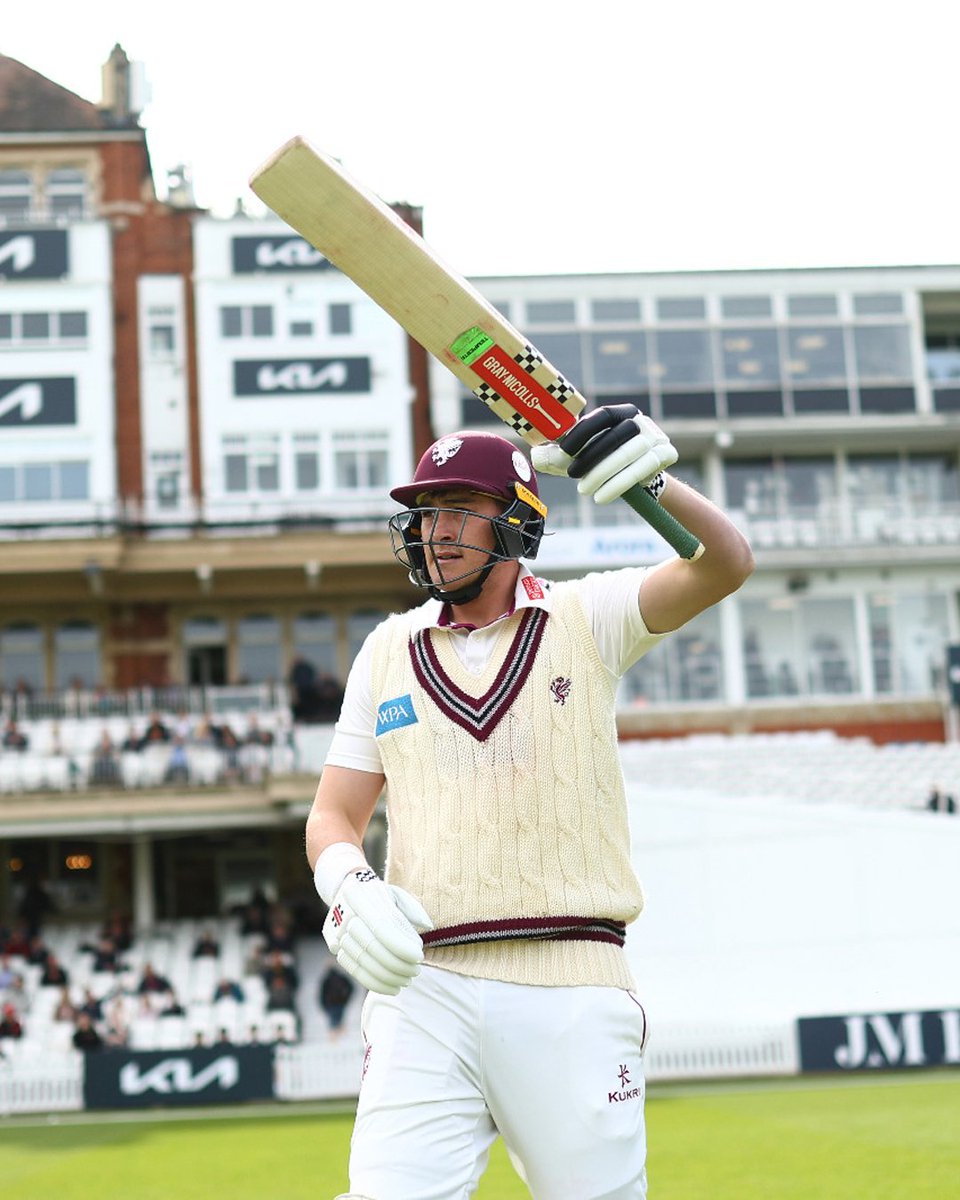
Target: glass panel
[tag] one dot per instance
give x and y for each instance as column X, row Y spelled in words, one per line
column 76, row 655
column 750, row 485
column 883, row 351
column 38, row 481
column 73, row 324
column 830, row 646
column 564, row 352
column 551, row 312
column 750, row 355
column 74, row 480
column 619, row 359
column 258, row 649
column 771, row 658
column 204, row 631
column 377, row 468
column 816, row 353
column 235, row 472
column 301, row 328
column 36, row 325
column 21, row 657
column 615, row 310
column 307, row 471
column 262, row 320
column 8, row 485
column 231, row 321
column 682, row 357
column 688, row 666
column 811, row 306
column 878, row 304
column 267, row 473
column 161, row 339
column 341, row 318
column 746, row 306
column 359, row 625
column 809, row 483
column 6, row 326
column 314, row 646
column 908, row 640
column 681, row 308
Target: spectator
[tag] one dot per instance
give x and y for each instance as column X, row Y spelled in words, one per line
column 105, row 956
column 280, row 1035
column 336, row 990
column 66, row 1010
column 8, row 976
column 10, row 1026
column 132, row 743
column 279, row 936
column 255, row 735
column 224, row 1038
column 104, row 767
column 14, row 738
column 152, row 983
column 278, row 967
column 54, row 973
column 230, row 749
column 280, row 995
column 178, row 765
column 118, row 1023
column 206, row 946
column 155, row 733
column 940, row 801
column 171, row 1005
column 39, row 953
column 18, row 939
column 85, row 1036
column 91, row 1005
column 118, row 930
column 228, row 989
column 35, row 905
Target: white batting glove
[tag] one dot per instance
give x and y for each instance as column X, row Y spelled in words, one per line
column 609, row 450
column 371, row 928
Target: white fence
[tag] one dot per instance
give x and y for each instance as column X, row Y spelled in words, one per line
column 316, row 1071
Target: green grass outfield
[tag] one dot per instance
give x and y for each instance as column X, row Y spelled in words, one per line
column 853, row 1138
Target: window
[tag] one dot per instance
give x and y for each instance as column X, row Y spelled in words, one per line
column 564, row 351
column 799, row 645
column 746, row 306
column 251, row 464
column 750, row 356
column 38, row 481
column 16, row 195
column 551, row 312
column 682, row 357
column 812, row 306
column 908, row 641
column 74, row 481
column 246, row 321
column 883, row 352
column 619, row 359
column 301, row 329
column 76, row 646
column 359, row 625
column 315, row 641
column 340, row 317
column 21, row 656
column 45, row 481
column 73, row 325
column 681, row 308
column 66, row 189
column 816, row 354
column 360, row 461
column 48, row 327
column 258, row 649
column 162, row 340
column 306, row 469
column 688, row 666
column 35, row 326
column 615, row 310
column 878, row 304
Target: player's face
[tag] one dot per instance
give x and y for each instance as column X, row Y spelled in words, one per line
column 457, row 534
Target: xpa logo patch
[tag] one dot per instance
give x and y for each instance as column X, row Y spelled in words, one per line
column 560, row 689
column 394, row 714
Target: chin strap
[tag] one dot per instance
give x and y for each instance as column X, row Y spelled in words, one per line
column 465, row 594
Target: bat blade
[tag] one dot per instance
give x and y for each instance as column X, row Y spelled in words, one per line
column 440, row 309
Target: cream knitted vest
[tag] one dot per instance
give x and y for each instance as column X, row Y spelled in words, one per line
column 530, row 821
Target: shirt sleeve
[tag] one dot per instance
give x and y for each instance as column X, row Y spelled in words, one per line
column 611, row 602
column 354, row 742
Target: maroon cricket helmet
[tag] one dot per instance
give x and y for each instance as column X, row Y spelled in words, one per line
column 473, row 459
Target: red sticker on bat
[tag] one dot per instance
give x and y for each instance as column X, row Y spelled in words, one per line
column 521, row 391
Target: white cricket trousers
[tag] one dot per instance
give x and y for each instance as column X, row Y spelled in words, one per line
column 453, row 1061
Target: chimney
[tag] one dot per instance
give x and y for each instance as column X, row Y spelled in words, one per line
column 125, row 91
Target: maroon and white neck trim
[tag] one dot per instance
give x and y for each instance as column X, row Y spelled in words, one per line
column 479, row 715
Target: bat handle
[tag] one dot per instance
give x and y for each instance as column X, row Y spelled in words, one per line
column 669, row 528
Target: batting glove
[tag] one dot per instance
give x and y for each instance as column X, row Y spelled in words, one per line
column 609, row 450
column 371, row 928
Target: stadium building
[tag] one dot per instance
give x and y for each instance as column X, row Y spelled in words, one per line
column 200, row 420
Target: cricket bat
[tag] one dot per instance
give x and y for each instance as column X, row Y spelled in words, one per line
column 370, row 244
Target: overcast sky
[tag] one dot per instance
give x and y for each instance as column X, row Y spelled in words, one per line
column 541, row 137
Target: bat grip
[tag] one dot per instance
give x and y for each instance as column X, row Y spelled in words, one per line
column 669, row 528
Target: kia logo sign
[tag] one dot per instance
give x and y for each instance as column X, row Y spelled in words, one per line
column 300, row 376
column 276, row 253
column 202, row 1075
column 178, row 1075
